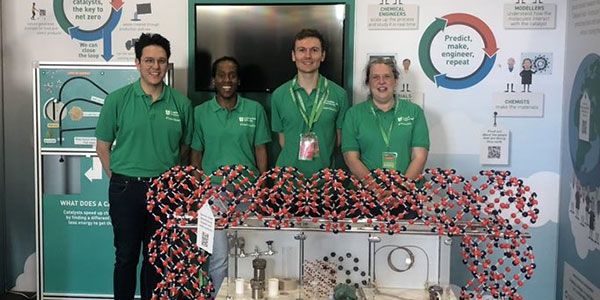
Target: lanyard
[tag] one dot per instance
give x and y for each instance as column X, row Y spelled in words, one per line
column 384, row 135
column 318, row 106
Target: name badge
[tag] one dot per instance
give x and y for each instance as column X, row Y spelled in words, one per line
column 309, row 146
column 388, row 160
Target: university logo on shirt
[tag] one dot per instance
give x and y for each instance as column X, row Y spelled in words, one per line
column 405, row 121
column 172, row 115
column 247, row 121
column 331, row 105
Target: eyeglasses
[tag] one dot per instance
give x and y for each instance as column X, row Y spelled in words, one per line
column 385, row 77
column 150, row 61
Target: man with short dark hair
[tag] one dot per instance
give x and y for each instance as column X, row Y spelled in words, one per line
column 308, row 111
column 150, row 126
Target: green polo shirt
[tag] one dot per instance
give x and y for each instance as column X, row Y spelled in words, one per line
column 146, row 135
column 286, row 118
column 361, row 132
column 229, row 137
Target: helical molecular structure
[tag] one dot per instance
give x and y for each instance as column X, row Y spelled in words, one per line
column 491, row 212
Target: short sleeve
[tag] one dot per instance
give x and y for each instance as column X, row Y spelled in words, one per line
column 106, row 128
column 349, row 133
column 339, row 122
column 188, row 127
column 198, row 135
column 276, row 122
column 420, row 132
column 262, row 135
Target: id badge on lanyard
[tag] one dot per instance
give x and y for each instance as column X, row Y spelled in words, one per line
column 388, row 160
column 309, row 142
column 309, row 146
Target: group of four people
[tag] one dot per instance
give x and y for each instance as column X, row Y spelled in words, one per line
column 147, row 127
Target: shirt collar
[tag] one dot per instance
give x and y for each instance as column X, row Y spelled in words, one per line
column 320, row 82
column 377, row 109
column 214, row 105
column 137, row 87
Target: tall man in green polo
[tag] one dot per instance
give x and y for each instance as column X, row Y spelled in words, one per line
column 228, row 130
column 308, row 111
column 150, row 126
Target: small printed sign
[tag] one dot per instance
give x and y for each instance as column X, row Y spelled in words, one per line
column 584, row 117
column 206, row 228
column 393, row 16
column 495, row 145
column 519, row 104
column 529, row 16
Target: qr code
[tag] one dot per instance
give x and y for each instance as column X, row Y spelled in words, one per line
column 584, row 126
column 494, row 152
column 204, row 240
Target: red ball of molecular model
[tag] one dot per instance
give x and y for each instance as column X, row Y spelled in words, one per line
column 491, row 212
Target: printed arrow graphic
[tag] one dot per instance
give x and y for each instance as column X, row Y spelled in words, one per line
column 481, row 27
column 95, row 172
column 425, row 44
column 469, row 81
column 83, row 35
column 107, row 45
column 107, row 33
column 117, row 4
column 60, row 16
column 104, row 32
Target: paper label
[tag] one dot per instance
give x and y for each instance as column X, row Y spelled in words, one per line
column 577, row 287
column 495, row 145
column 206, row 228
column 518, row 104
column 584, row 118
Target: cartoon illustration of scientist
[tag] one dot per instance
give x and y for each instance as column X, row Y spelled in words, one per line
column 406, row 77
column 526, row 75
column 511, row 76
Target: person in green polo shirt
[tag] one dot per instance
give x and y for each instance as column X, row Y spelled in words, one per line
column 143, row 130
column 308, row 111
column 228, row 130
column 385, row 132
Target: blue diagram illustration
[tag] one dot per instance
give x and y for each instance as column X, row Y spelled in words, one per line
column 103, row 32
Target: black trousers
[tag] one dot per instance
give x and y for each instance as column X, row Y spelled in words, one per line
column 133, row 227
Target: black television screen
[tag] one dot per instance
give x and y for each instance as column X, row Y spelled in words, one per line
column 261, row 37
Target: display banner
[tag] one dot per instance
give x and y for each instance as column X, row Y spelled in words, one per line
column 70, row 102
column 77, row 237
column 74, row 232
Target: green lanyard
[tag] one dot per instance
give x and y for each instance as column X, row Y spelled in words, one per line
column 318, row 106
column 384, row 135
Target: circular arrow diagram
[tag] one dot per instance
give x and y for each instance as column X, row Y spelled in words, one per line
column 103, row 32
column 438, row 26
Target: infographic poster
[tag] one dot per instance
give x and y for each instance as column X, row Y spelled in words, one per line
column 584, row 145
column 77, row 232
column 76, row 238
column 71, row 100
column 489, row 78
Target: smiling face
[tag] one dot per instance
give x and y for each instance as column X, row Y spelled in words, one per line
column 382, row 83
column 152, row 66
column 226, row 80
column 308, row 54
